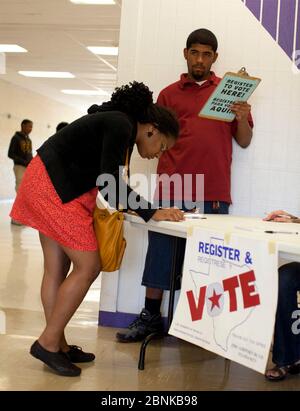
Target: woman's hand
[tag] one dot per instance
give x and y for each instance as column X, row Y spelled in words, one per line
column 281, row 216
column 168, row 214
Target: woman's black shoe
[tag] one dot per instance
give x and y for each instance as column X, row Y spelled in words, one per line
column 75, row 354
column 55, row 360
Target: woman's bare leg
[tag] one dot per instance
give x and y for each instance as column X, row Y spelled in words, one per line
column 86, row 267
column 56, row 268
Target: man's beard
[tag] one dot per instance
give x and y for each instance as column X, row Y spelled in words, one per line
column 200, row 77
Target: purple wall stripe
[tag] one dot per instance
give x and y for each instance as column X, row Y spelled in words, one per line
column 254, row 6
column 287, row 26
column 298, row 29
column 287, row 30
column 109, row 319
column 269, row 16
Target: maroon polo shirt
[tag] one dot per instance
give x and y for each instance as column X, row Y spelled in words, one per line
column 204, row 146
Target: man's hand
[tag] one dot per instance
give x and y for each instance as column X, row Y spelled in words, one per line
column 241, row 109
column 168, row 214
column 243, row 134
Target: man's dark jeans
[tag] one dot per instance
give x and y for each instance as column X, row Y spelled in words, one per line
column 160, row 252
column 286, row 349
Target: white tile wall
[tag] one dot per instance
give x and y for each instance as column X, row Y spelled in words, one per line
column 160, row 39
column 265, row 176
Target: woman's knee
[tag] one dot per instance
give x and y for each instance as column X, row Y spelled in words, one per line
column 90, row 269
column 95, row 270
column 58, row 271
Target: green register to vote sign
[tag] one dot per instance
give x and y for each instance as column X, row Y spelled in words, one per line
column 232, row 88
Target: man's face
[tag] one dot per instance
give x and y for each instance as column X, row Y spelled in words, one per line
column 27, row 128
column 200, row 58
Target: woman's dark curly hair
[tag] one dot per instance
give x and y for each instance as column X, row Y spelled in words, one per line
column 135, row 99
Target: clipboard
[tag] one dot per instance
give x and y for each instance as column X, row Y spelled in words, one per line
column 233, row 87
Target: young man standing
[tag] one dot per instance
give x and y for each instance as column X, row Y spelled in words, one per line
column 20, row 151
column 204, row 147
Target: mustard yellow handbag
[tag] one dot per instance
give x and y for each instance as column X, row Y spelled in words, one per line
column 110, row 235
column 111, row 243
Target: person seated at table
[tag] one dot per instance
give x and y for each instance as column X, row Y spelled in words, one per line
column 286, row 348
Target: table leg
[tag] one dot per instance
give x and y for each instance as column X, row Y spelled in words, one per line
column 141, row 365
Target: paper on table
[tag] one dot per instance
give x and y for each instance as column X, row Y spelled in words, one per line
column 194, row 216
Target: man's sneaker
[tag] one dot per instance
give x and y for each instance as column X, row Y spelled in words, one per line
column 140, row 328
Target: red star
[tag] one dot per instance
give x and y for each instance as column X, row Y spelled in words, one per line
column 215, row 300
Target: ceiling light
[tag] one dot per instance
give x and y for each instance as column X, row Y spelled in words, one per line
column 11, row 48
column 104, row 51
column 86, row 92
column 101, row 2
column 49, row 74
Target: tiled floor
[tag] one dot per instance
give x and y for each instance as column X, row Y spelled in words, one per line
column 170, row 364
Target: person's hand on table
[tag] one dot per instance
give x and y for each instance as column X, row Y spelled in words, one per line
column 168, row 214
column 281, row 216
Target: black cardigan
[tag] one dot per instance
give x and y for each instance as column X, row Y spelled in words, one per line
column 92, row 145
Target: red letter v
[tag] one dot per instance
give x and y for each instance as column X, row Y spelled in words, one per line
column 196, row 311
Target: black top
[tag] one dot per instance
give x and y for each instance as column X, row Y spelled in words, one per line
column 20, row 149
column 93, row 145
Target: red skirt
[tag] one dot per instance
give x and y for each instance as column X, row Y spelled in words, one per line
column 38, row 205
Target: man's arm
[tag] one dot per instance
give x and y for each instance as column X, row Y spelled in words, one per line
column 12, row 148
column 243, row 133
column 13, row 151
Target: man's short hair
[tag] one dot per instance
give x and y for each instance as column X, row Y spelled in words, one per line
column 61, row 125
column 202, row 36
column 26, row 121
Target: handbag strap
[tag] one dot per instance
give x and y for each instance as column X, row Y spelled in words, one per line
column 127, row 163
column 126, row 175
